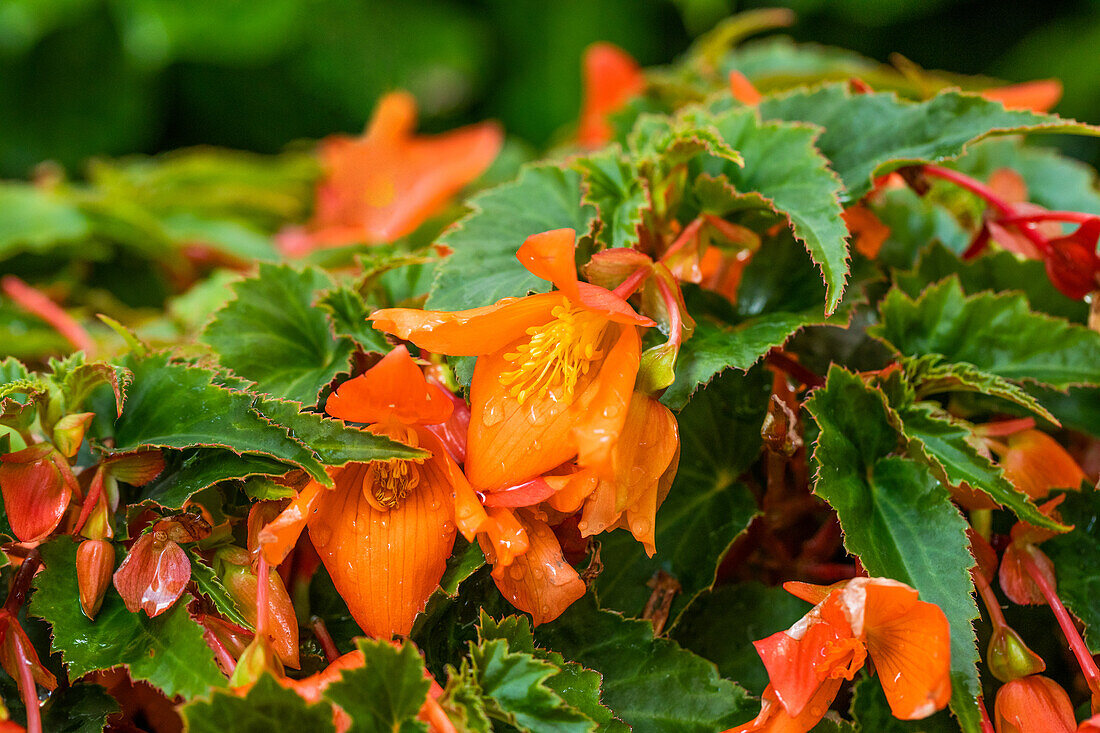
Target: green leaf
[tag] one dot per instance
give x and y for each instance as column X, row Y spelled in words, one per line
column 483, row 267
column 34, row 219
column 349, row 317
column 943, row 444
column 167, row 651
column 706, row 508
column 208, row 584
column 650, row 683
column 704, row 628
column 915, row 221
column 868, row 135
column 385, row 695
column 267, row 707
column 995, row 270
column 273, row 335
column 78, row 709
column 928, row 377
column 998, row 334
column 1076, row 557
column 615, row 188
column 77, row 379
column 188, row 472
column 783, row 172
column 896, row 517
column 178, row 406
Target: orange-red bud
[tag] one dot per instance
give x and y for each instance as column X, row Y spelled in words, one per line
column 1014, row 578
column 1009, row 658
column 35, row 491
column 1033, row 705
column 281, row 624
column 68, row 433
column 153, row 575
column 95, row 561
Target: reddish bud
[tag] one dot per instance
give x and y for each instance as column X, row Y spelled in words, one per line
column 984, row 554
column 281, row 624
column 153, row 575
column 1009, row 658
column 12, row 635
column 136, row 469
column 1071, row 262
column 1014, row 578
column 95, row 561
column 35, row 491
column 68, row 433
column 1033, row 705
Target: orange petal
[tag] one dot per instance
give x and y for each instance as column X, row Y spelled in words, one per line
column 385, row 564
column 540, row 581
column 505, row 537
column 35, row 493
column 809, row 592
column 611, row 78
column 1038, row 96
column 601, row 413
column 394, row 117
column 550, row 256
column 801, row 659
column 1036, row 463
column 153, row 575
column 571, row 490
column 278, row 537
column 470, row 332
column 774, row 719
column 312, row 688
column 1033, row 704
column 866, row 229
column 912, row 654
column 743, row 90
column 609, row 305
column 1015, row 580
column 393, row 388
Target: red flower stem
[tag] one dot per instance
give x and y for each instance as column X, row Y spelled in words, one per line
column 324, row 638
column 1073, row 217
column 990, row 196
column 789, row 366
column 262, row 571
column 94, row 492
column 22, row 582
column 681, row 241
column 632, row 283
column 675, row 321
column 225, row 659
column 37, row 303
column 26, row 684
column 989, row 598
column 987, row 726
column 1065, row 621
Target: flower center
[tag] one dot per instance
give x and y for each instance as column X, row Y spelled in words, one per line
column 389, row 482
column 559, row 353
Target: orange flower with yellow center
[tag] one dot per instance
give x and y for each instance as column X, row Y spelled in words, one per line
column 386, row 529
column 385, row 184
column 555, row 372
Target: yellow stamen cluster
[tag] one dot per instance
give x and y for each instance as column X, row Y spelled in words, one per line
column 559, row 353
column 389, row 482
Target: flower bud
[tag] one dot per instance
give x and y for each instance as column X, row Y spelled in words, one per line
column 153, row 575
column 1033, row 705
column 257, row 658
column 1014, row 578
column 95, row 562
column 240, row 580
column 1009, row 658
column 1071, row 262
column 68, row 433
column 36, row 493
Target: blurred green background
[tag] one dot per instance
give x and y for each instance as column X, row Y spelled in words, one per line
column 107, row 77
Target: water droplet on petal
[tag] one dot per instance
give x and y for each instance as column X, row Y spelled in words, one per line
column 320, row 533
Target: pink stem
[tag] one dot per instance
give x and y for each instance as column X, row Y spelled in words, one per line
column 675, row 321
column 1074, row 217
column 1006, row 209
column 685, row 236
column 37, row 303
column 987, row 726
column 26, row 684
column 262, row 571
column 992, row 605
column 324, row 639
column 1065, row 621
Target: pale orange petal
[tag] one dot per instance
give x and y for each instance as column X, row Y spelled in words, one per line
column 394, row 388
column 279, row 536
column 602, row 412
column 470, row 332
column 1038, row 96
column 540, row 581
column 611, row 78
column 743, row 90
column 1036, row 463
column 774, row 719
column 912, row 655
column 571, row 490
column 550, row 256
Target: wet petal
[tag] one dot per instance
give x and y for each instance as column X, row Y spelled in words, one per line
column 35, row 493
column 393, row 388
column 1033, row 705
column 385, row 564
column 601, row 413
column 774, row 719
column 540, row 581
column 153, row 575
column 470, row 332
column 912, row 655
column 278, row 537
column 801, row 659
column 282, row 624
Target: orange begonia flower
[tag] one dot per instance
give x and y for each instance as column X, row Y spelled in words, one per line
column 867, row 230
column 383, row 185
column 555, row 371
column 387, row 528
column 1038, row 96
column 1033, row 704
column 907, row 639
column 611, row 78
column 1036, row 463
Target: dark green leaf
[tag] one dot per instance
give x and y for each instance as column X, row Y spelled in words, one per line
column 190, row 471
column 167, row 651
column 385, row 695
column 928, row 377
column 998, row 334
column 78, row 709
column 616, row 190
column 896, row 517
column 651, row 684
column 349, row 316
column 1076, row 557
column 867, row 135
column 272, row 334
column 267, row 707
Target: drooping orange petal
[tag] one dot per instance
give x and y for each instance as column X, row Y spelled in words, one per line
column 609, row 305
column 153, row 575
column 601, row 413
column 743, row 90
column 1038, row 96
column 394, row 117
column 801, row 659
column 312, row 688
column 611, row 78
column 1033, row 704
column 35, row 493
column 1036, row 463
column 278, row 537
column 470, row 332
column 540, row 581
column 774, row 719
column 385, row 564
column 912, row 655
column 393, row 388
column 571, row 490
column 550, row 256
column 809, row 592
column 505, row 537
